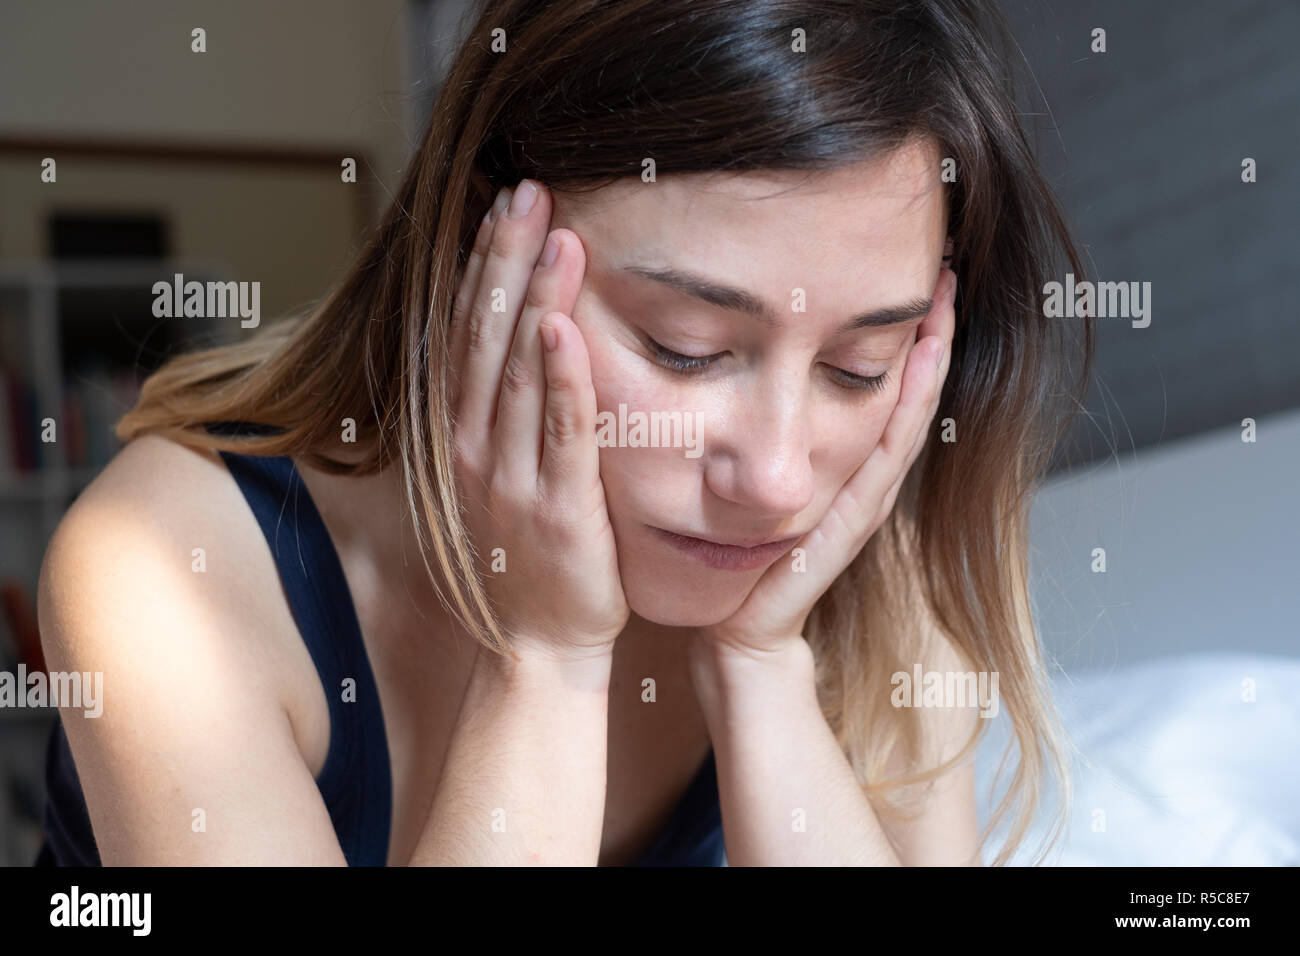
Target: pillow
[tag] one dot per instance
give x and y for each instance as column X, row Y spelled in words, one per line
column 1183, row 761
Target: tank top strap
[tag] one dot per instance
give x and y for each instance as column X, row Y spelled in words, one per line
column 355, row 781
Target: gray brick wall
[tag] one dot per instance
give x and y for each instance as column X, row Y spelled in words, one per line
column 1145, row 144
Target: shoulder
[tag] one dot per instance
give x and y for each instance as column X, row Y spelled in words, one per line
column 159, row 560
column 152, row 484
column 134, row 527
column 195, row 655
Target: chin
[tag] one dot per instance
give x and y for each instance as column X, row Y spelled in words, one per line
column 672, row 588
column 678, row 592
column 651, row 600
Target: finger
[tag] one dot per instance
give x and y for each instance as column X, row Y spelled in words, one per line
column 922, row 385
column 922, row 435
column 857, row 508
column 940, row 322
column 569, row 455
column 927, row 427
column 508, row 264
column 471, row 278
column 517, row 434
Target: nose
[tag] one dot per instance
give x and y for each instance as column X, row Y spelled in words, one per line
column 760, row 458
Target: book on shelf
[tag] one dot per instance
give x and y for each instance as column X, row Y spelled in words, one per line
column 8, row 645
column 20, row 618
column 21, row 453
column 94, row 398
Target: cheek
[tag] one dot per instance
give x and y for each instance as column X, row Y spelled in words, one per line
column 638, row 481
column 641, row 482
column 849, row 437
column 610, row 361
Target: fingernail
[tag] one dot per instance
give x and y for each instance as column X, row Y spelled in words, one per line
column 938, row 362
column 522, row 201
column 502, row 200
column 550, row 251
column 549, row 338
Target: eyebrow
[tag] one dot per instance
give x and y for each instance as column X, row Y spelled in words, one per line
column 738, row 300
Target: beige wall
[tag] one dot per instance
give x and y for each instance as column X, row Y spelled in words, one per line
column 291, row 229
column 324, row 76
column 301, row 73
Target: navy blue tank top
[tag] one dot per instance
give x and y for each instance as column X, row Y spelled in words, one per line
column 355, row 782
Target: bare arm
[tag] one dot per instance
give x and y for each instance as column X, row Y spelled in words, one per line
column 790, row 796
column 524, row 779
column 193, row 760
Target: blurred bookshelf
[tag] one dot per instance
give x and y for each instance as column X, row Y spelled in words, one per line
column 78, row 261
column 51, row 374
column 77, row 339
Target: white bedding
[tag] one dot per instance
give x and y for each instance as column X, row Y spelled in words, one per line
column 1185, row 772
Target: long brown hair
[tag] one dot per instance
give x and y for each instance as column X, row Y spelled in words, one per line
column 577, row 94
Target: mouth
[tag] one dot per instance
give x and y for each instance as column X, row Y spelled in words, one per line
column 726, row 557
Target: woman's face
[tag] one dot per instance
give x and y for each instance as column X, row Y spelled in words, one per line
column 753, row 278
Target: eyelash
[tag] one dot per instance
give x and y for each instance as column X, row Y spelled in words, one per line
column 689, row 364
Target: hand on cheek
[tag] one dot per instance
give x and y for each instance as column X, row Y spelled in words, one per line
column 525, row 451
column 772, row 617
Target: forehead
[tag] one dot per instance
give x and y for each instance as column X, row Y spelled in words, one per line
column 887, row 213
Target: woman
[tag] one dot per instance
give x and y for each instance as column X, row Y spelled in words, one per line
column 812, row 234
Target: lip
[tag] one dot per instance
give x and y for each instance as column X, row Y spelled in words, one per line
column 726, row 557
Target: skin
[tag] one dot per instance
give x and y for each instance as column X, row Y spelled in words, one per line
column 556, row 738
column 792, row 455
column 781, row 436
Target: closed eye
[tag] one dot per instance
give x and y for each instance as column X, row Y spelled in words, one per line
column 869, row 383
column 679, row 362
column 689, row 364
